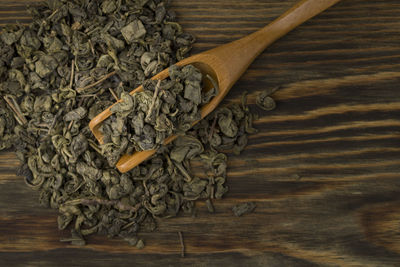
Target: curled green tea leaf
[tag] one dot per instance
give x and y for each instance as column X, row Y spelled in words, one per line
column 264, row 101
column 243, row 208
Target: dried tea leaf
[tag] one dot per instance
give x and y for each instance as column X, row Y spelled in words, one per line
column 264, row 101
column 108, row 6
column 243, row 208
column 140, row 244
column 11, row 34
column 186, row 147
column 75, row 115
column 45, row 65
column 133, row 31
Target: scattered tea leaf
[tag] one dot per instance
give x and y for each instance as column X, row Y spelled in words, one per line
column 243, row 208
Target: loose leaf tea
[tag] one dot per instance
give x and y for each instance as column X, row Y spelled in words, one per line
column 64, row 68
column 264, row 101
column 243, row 208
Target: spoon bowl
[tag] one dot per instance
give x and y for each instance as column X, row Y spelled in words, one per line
column 127, row 162
column 225, row 64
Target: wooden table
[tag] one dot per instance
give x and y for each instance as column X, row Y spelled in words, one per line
column 323, row 169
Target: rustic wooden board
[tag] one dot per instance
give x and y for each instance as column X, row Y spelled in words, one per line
column 323, row 169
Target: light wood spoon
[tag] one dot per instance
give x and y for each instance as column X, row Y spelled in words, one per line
column 225, row 64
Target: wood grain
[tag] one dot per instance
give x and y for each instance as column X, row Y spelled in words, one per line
column 323, row 168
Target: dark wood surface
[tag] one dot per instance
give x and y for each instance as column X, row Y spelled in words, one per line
column 323, row 169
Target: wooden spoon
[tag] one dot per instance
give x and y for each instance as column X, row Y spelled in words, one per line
column 225, row 64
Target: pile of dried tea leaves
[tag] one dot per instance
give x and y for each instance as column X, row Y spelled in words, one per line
column 144, row 120
column 62, row 70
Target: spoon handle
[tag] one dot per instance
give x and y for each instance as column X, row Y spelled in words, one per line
column 298, row 14
column 234, row 58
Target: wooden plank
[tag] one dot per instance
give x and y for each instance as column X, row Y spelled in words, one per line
column 323, row 168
